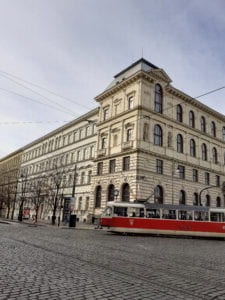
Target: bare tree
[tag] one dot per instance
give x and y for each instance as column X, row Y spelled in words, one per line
column 38, row 191
column 58, row 183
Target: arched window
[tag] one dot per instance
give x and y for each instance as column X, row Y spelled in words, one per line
column 111, row 189
column 203, row 124
column 213, row 128
column 126, row 192
column 98, row 196
column 192, row 148
column 180, row 147
column 158, row 135
column 179, row 113
column 158, row 194
column 182, row 198
column 204, row 152
column 223, row 133
column 191, row 119
column 214, row 155
column 158, row 99
column 218, row 202
column 207, row 200
column 195, row 199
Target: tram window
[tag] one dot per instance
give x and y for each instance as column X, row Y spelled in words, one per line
column 169, row 214
column 201, row 216
column 153, row 213
column 189, row 215
column 120, row 211
column 217, row 217
column 136, row 212
column 182, row 215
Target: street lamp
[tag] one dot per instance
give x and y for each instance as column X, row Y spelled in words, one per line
column 207, row 188
column 177, row 171
column 23, row 187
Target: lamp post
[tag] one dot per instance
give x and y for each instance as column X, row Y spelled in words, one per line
column 172, row 181
column 23, row 187
column 207, row 188
column 72, row 218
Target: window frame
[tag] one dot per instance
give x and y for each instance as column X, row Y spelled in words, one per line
column 158, row 99
column 179, row 113
column 159, row 166
column 126, row 163
column 158, row 135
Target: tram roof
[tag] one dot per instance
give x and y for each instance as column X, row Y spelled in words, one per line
column 166, row 206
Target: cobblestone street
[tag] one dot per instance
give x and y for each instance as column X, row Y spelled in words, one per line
column 58, row 263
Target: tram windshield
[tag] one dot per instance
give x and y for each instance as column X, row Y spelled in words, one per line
column 107, row 212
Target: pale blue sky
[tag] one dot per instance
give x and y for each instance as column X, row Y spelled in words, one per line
column 75, row 47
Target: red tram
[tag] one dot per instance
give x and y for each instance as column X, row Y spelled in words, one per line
column 147, row 218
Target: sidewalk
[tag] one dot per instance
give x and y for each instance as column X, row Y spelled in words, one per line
column 79, row 225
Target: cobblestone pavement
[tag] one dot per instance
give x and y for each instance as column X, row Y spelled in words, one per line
column 53, row 263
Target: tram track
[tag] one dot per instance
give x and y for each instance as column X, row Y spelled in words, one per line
column 109, row 268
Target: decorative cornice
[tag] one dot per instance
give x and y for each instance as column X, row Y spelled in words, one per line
column 184, row 97
column 123, row 84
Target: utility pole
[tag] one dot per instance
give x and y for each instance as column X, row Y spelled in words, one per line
column 74, row 181
column 72, row 220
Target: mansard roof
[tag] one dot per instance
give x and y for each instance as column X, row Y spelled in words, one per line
column 140, row 65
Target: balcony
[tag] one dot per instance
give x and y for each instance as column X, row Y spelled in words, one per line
column 127, row 145
column 101, row 152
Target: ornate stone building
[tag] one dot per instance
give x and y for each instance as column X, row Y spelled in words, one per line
column 57, row 163
column 147, row 141
column 156, row 143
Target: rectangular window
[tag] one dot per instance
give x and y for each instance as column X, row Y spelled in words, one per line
column 159, row 166
column 78, row 156
column 195, row 175
column 207, row 178
column 105, row 114
column 103, row 145
column 126, row 163
column 181, row 172
column 112, row 166
column 129, row 135
column 100, row 168
column 217, row 180
column 130, row 102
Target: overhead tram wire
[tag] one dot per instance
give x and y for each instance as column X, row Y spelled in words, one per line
column 40, row 87
column 37, row 101
column 32, row 122
column 39, row 94
column 202, row 95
